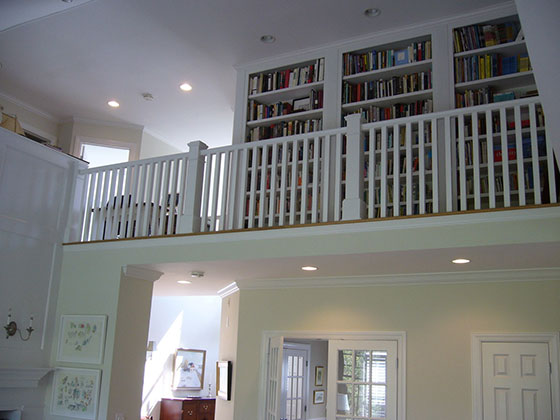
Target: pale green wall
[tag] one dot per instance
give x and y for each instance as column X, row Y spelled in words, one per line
column 91, row 275
column 438, row 321
column 153, row 147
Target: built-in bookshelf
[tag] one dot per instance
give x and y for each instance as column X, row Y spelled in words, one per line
column 492, row 170
column 491, row 63
column 397, row 173
column 389, row 81
column 285, row 101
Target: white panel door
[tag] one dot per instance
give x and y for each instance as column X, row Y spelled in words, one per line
column 274, row 378
column 516, row 381
column 362, row 380
column 294, row 395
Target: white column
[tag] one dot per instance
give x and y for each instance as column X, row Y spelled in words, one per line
column 353, row 206
column 190, row 222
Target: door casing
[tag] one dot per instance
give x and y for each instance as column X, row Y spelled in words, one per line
column 553, row 341
column 398, row 336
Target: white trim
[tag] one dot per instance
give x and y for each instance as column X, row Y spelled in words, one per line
column 29, row 108
column 22, row 377
column 230, row 289
column 518, row 215
column 141, row 273
column 133, row 148
column 551, row 338
column 307, row 389
column 38, row 132
column 483, row 276
column 398, row 336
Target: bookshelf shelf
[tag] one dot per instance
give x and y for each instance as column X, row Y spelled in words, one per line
column 390, row 100
column 514, row 47
column 508, row 81
column 400, row 70
column 286, row 94
column 301, row 116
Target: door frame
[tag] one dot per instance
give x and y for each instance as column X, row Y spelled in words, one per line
column 398, row 336
column 477, row 339
column 303, row 347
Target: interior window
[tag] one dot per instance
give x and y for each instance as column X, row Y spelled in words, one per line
column 103, row 155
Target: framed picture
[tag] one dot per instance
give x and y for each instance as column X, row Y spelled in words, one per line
column 188, row 369
column 76, row 393
column 82, row 338
column 302, row 104
column 223, row 380
column 318, row 397
column 319, row 375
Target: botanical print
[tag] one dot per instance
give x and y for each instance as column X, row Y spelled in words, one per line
column 81, row 338
column 75, row 393
column 79, row 334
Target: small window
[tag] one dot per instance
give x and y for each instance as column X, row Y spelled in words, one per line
column 103, row 155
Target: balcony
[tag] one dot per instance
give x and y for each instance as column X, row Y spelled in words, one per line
column 482, row 158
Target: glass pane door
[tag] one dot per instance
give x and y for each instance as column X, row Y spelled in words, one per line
column 364, row 380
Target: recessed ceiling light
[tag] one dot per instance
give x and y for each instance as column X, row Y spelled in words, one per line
column 185, row 87
column 460, row 261
column 184, row 282
column 268, row 39
column 309, row 268
column 113, row 104
column 372, row 12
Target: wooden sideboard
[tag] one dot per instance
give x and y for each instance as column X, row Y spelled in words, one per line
column 187, row 409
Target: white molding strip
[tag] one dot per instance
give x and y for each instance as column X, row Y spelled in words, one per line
column 361, row 226
column 141, row 273
column 537, row 274
column 230, row 289
column 29, row 108
column 551, row 338
column 90, row 121
column 22, row 377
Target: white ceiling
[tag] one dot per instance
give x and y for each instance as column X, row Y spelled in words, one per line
column 219, row 274
column 70, row 63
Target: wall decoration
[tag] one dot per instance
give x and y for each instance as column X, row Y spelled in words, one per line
column 223, row 380
column 318, row 397
column 319, row 375
column 188, row 369
column 82, row 338
column 76, row 393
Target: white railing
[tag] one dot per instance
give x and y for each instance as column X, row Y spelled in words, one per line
column 440, row 162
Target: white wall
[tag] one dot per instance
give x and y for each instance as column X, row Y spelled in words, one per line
column 153, row 146
column 318, row 357
column 190, row 322
column 35, row 183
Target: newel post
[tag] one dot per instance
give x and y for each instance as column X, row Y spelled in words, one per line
column 353, row 206
column 190, row 222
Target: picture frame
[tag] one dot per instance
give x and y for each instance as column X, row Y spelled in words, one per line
column 188, row 369
column 319, row 396
column 223, row 379
column 82, row 338
column 319, row 375
column 76, row 393
column 301, row 104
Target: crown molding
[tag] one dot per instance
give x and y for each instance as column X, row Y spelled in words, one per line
column 30, row 108
column 537, row 274
column 230, row 289
column 141, row 273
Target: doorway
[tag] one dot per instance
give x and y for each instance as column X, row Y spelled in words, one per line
column 363, row 377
